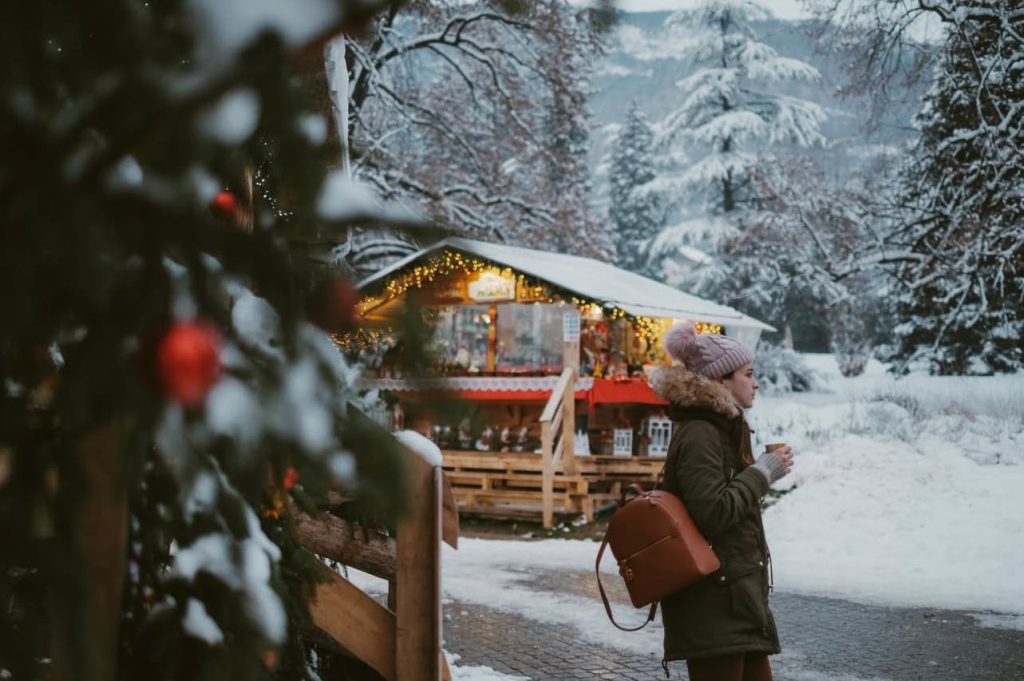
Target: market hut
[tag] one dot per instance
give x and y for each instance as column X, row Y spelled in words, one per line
column 549, row 352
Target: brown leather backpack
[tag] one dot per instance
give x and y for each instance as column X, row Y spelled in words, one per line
column 658, row 548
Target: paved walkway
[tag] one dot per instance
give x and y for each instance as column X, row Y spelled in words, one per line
column 824, row 639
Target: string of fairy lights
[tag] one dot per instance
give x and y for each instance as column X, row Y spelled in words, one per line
column 443, row 265
column 365, row 341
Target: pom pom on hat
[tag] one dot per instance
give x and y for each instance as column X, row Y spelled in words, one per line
column 679, row 340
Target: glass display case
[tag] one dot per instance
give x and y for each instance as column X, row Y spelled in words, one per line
column 529, row 337
column 461, row 336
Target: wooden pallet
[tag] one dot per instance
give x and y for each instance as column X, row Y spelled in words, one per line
column 509, row 484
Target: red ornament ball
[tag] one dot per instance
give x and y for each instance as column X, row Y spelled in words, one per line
column 291, row 478
column 189, row 360
column 224, row 205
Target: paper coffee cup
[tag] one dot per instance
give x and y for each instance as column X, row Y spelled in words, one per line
column 773, row 446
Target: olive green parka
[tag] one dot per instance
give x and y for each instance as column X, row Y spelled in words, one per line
column 726, row 612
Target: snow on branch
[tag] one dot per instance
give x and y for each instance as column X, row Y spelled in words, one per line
column 780, row 69
column 738, row 125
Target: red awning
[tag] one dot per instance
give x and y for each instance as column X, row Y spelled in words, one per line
column 497, row 395
column 627, row 391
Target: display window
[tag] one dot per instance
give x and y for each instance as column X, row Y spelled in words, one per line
column 529, row 337
column 461, row 335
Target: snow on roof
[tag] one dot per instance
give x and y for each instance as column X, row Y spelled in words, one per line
column 588, row 278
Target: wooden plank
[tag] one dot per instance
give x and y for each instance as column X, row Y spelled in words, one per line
column 569, row 428
column 549, row 409
column 556, row 421
column 358, row 623
column 534, row 496
column 533, row 483
column 547, row 485
column 418, row 583
column 478, row 477
column 521, row 461
column 587, row 506
column 497, row 461
column 596, row 461
column 337, row 539
column 556, row 456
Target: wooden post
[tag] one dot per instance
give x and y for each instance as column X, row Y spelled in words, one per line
column 571, row 356
column 86, row 637
column 572, row 362
column 418, row 580
column 548, row 475
column 492, row 339
column 569, row 427
column 364, row 627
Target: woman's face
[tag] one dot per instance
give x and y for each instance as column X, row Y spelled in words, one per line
column 742, row 385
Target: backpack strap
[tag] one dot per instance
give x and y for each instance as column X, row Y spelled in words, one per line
column 604, row 597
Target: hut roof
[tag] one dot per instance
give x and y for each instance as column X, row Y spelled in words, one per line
column 587, row 278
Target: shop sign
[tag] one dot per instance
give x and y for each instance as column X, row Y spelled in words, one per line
column 492, row 286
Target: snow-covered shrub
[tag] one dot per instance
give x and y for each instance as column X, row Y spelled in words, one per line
column 902, row 398
column 890, row 419
column 779, row 370
column 996, row 397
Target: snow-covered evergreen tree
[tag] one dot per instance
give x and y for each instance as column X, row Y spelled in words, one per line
column 736, row 108
column 636, row 208
column 160, row 373
column 962, row 301
column 568, row 57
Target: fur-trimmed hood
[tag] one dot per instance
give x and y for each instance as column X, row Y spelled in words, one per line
column 682, row 387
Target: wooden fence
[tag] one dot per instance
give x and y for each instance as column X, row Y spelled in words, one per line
column 400, row 641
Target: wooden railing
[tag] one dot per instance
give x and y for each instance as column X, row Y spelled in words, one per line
column 557, row 433
column 401, row 642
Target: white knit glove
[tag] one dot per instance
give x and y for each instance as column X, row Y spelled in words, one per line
column 771, row 466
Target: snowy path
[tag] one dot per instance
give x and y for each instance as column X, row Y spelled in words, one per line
column 823, row 640
column 529, row 610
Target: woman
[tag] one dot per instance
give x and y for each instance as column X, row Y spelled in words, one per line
column 721, row 625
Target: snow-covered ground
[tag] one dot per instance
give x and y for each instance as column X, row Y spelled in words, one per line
column 906, row 492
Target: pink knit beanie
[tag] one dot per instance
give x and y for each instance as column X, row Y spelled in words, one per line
column 707, row 354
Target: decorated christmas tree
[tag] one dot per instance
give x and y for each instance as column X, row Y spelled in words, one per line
column 168, row 375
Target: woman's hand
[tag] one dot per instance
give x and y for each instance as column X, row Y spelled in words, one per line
column 786, row 455
column 775, row 464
